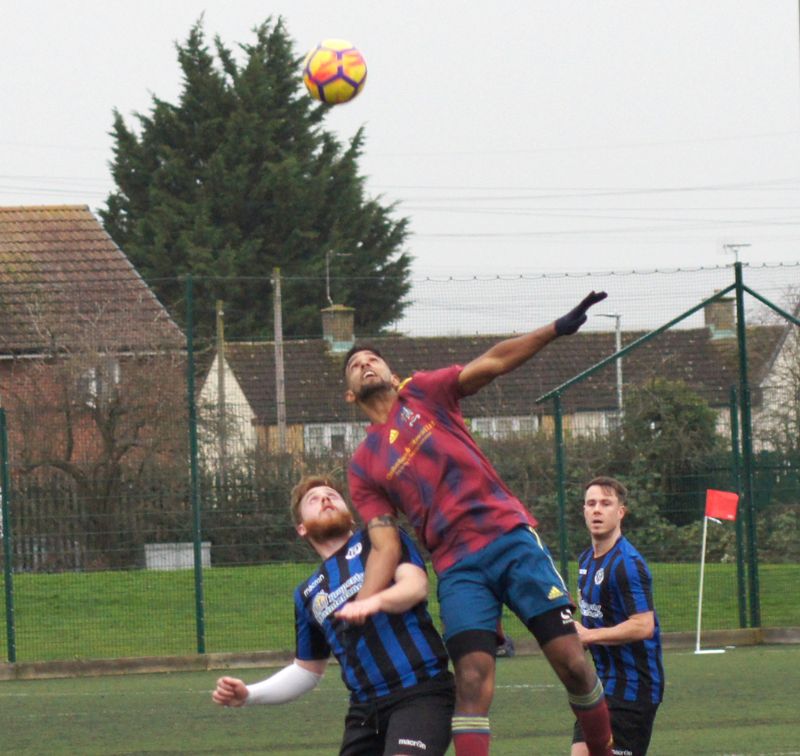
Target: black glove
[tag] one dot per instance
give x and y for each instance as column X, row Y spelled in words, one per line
column 568, row 324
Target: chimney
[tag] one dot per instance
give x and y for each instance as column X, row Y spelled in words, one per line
column 337, row 327
column 720, row 318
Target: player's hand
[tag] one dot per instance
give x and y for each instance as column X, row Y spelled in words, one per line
column 230, row 691
column 357, row 612
column 582, row 633
column 568, row 324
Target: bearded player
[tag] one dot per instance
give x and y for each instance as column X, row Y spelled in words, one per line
column 419, row 459
column 392, row 659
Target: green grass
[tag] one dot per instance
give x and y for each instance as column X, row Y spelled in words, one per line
column 741, row 702
column 97, row 615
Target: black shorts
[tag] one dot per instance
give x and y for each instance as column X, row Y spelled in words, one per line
column 413, row 721
column 631, row 726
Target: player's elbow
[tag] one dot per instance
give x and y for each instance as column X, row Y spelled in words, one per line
column 647, row 627
column 419, row 590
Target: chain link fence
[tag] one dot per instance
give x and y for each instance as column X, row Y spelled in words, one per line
column 148, row 455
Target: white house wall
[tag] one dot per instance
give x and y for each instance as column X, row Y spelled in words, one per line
column 240, row 432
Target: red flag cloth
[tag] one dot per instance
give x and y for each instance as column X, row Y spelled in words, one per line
column 721, row 505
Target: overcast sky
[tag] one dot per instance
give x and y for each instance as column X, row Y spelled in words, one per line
column 519, row 137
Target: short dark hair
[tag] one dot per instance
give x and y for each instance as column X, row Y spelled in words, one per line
column 604, row 481
column 354, row 350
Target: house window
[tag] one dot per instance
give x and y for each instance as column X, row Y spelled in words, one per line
column 340, row 438
column 503, row 427
column 99, row 383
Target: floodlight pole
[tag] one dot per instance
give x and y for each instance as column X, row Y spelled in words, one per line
column 733, row 249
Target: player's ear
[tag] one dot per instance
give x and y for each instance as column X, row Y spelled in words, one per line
column 302, row 530
column 349, row 396
column 395, row 381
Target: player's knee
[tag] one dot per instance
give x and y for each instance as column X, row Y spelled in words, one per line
column 570, row 663
column 577, row 674
column 475, row 679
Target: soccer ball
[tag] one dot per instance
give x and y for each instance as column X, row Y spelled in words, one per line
column 334, row 71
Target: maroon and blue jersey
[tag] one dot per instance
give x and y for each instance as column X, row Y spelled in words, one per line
column 389, row 652
column 613, row 587
column 423, row 462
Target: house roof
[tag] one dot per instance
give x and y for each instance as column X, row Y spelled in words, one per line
column 65, row 284
column 314, row 388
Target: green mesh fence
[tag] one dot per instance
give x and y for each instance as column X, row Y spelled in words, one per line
column 117, row 550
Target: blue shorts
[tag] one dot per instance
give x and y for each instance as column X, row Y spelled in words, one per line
column 516, row 570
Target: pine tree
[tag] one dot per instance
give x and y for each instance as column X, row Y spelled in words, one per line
column 239, row 177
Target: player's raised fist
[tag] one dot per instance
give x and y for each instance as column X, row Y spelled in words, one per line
column 568, row 324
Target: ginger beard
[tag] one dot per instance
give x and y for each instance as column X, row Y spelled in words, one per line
column 331, row 524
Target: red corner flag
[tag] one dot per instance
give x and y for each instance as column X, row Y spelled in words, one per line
column 721, row 505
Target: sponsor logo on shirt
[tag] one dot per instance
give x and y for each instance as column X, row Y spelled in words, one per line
column 594, row 611
column 411, row 450
column 325, row 604
column 408, row 417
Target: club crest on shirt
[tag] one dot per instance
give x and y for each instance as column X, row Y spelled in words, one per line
column 598, row 576
column 393, row 434
column 353, row 551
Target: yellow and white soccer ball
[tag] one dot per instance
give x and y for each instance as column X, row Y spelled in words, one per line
column 334, row 71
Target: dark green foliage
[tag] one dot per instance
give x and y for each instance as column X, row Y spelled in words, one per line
column 239, row 177
column 669, row 447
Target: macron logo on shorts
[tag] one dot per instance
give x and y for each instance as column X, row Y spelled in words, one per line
column 413, row 743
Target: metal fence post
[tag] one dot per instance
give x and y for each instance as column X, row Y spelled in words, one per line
column 736, row 475
column 747, row 452
column 194, row 493
column 8, row 567
column 561, row 487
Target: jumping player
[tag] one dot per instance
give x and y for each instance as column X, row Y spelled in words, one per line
column 393, row 660
column 419, row 459
column 619, row 623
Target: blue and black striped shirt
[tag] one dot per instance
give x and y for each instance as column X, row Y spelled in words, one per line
column 389, row 652
column 613, row 587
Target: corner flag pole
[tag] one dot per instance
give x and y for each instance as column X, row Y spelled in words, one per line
column 719, row 504
column 700, row 594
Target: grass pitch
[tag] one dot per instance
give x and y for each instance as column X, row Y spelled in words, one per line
column 742, row 702
column 98, row 615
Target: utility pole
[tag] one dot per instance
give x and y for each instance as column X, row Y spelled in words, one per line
column 221, row 408
column 328, row 255
column 280, row 383
column 618, row 347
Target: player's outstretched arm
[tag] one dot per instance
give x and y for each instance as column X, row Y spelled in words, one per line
column 409, row 588
column 291, row 682
column 509, row 354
